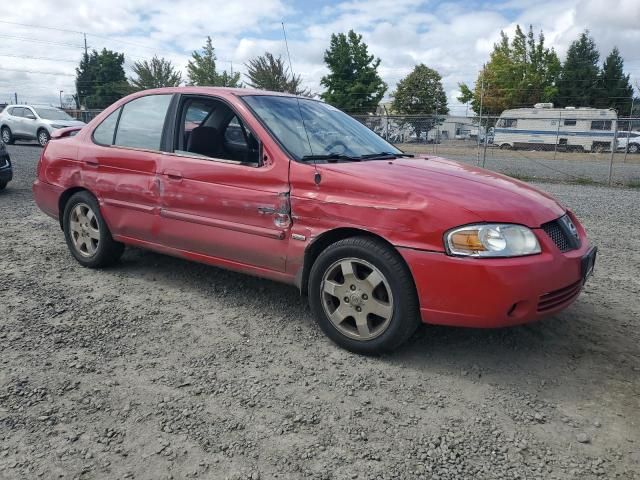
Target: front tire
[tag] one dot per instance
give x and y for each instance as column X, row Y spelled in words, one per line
column 363, row 296
column 87, row 235
column 43, row 137
column 7, row 136
column 634, row 148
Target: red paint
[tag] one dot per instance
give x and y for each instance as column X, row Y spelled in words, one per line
column 225, row 214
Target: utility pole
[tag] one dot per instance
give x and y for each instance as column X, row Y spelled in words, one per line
column 61, row 98
column 629, row 123
column 86, row 50
column 16, row 98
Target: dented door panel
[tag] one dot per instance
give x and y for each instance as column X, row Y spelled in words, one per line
column 226, row 210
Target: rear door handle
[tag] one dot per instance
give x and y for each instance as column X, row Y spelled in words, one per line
column 173, row 174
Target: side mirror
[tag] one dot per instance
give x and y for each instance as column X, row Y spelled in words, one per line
column 30, row 116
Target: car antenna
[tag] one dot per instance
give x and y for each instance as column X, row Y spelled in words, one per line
column 317, row 177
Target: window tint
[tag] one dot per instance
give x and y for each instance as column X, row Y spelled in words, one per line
column 103, row 134
column 16, row 111
column 141, row 122
column 569, row 122
column 601, row 125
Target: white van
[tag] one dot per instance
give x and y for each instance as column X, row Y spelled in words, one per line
column 537, row 128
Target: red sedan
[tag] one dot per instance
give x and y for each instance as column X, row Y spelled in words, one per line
column 292, row 189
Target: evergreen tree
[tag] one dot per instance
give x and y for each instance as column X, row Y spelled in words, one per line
column 269, row 73
column 614, row 88
column 100, row 79
column 201, row 70
column 578, row 85
column 519, row 73
column 156, row 73
column 353, row 83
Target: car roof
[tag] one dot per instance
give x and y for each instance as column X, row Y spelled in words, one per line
column 238, row 92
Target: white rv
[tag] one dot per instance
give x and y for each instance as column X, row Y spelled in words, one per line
column 540, row 127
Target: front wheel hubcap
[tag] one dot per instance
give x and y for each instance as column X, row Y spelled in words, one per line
column 5, row 136
column 84, row 230
column 357, row 298
column 43, row 138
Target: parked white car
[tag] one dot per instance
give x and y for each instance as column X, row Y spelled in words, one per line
column 33, row 122
column 630, row 140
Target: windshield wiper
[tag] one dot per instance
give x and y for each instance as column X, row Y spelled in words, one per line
column 385, row 155
column 331, row 156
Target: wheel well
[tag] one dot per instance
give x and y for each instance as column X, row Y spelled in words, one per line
column 64, row 198
column 322, row 242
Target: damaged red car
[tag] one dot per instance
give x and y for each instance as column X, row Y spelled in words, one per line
column 292, row 189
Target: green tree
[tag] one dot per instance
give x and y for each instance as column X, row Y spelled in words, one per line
column 201, row 70
column 420, row 93
column 614, row 88
column 519, row 73
column 269, row 73
column 353, row 83
column 578, row 85
column 156, row 73
column 100, row 79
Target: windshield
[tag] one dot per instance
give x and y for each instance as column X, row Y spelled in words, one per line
column 324, row 131
column 52, row 114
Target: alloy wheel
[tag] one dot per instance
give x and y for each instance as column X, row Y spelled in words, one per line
column 6, row 136
column 84, row 229
column 357, row 298
column 43, row 138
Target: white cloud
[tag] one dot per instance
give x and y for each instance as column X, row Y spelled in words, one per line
column 453, row 37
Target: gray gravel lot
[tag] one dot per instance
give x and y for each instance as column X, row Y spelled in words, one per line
column 160, row 368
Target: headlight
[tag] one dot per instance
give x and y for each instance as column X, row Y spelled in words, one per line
column 53, row 125
column 492, row 240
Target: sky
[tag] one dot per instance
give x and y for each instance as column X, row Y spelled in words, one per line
column 453, row 37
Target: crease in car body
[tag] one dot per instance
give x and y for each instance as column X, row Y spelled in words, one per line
column 366, row 244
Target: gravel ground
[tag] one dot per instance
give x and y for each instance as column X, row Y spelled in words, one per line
column 160, row 368
column 532, row 165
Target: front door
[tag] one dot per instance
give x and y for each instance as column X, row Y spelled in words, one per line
column 219, row 196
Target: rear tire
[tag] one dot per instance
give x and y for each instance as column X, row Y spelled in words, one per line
column 363, row 296
column 7, row 136
column 505, row 146
column 43, row 137
column 87, row 235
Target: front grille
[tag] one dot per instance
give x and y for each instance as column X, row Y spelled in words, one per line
column 560, row 297
column 557, row 234
column 558, row 231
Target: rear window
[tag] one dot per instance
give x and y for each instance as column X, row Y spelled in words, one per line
column 104, row 133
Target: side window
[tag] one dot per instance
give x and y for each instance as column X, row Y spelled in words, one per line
column 508, row 122
column 142, row 121
column 569, row 122
column 234, row 134
column 16, row 111
column 601, row 125
column 104, row 133
column 28, row 113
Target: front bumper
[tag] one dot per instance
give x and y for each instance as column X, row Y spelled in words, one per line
column 496, row 292
column 6, row 172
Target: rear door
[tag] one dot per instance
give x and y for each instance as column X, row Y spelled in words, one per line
column 222, row 195
column 121, row 166
column 17, row 121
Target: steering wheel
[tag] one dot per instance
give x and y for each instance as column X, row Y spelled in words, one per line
column 329, row 148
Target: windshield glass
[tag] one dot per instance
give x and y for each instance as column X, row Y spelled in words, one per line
column 52, row 114
column 324, row 131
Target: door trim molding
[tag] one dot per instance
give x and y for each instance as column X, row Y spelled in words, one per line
column 212, row 222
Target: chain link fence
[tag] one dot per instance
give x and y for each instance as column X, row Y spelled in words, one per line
column 84, row 115
column 585, row 146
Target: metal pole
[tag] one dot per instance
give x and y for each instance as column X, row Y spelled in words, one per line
column 555, row 147
column 613, row 149
column 484, row 150
column 626, row 150
column 480, row 119
column 435, row 141
column 386, row 125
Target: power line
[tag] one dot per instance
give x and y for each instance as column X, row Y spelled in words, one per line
column 34, row 40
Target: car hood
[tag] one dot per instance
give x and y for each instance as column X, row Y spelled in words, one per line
column 492, row 197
